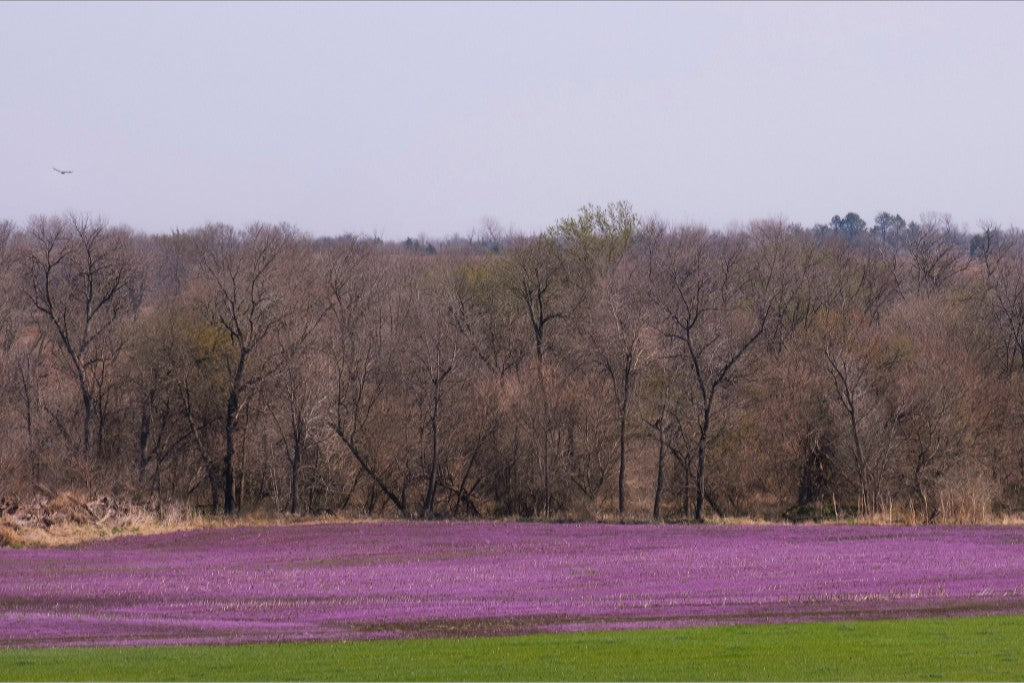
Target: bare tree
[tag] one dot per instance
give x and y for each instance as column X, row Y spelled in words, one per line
column 768, row 370
column 716, row 301
column 163, row 351
column 656, row 390
column 300, row 390
column 83, row 283
column 936, row 251
column 1002, row 255
column 362, row 349
column 487, row 315
column 611, row 322
column 245, row 284
column 8, row 326
column 537, row 276
column 434, row 359
column 616, row 336
column 870, row 425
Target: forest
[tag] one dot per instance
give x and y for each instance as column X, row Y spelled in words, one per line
column 610, row 367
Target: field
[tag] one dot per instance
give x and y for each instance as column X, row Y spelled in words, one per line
column 388, row 580
column 957, row 649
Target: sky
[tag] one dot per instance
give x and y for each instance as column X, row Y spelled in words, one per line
column 401, row 120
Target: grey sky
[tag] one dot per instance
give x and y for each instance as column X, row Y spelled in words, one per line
column 401, row 119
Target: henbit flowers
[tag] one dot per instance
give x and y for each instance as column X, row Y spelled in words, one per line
column 392, row 579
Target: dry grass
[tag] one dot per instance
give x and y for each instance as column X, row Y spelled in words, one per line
column 70, row 534
column 76, row 526
column 9, row 536
column 133, row 521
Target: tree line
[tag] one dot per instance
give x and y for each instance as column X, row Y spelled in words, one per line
column 613, row 366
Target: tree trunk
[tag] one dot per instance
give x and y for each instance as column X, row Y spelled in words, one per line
column 101, row 422
column 86, row 422
column 622, row 462
column 214, row 490
column 686, row 483
column 545, row 460
column 397, row 500
column 428, row 501
column 660, row 483
column 144, row 428
column 230, row 423
column 229, row 452
column 698, row 510
column 33, row 452
column 296, row 460
column 698, row 507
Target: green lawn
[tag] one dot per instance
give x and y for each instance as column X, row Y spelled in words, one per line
column 964, row 648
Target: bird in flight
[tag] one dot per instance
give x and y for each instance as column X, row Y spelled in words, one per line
column 62, row 172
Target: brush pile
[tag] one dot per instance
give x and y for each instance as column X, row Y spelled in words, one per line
column 57, row 513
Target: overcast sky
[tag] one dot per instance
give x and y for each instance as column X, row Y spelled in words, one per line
column 407, row 119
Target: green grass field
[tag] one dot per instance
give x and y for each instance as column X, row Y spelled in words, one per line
column 963, row 648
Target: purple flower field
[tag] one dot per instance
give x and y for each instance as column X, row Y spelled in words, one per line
column 402, row 579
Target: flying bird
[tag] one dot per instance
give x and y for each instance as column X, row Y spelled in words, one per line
column 62, row 172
